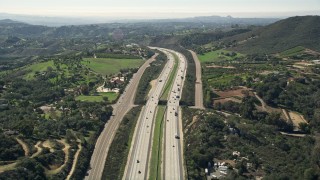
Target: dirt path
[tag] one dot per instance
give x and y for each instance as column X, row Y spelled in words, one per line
column 66, row 152
column 24, row 146
column 39, row 149
column 7, row 167
column 263, row 104
column 47, row 144
column 293, row 134
column 75, row 160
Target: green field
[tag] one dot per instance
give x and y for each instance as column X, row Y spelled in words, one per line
column 38, row 67
column 155, row 163
column 225, row 80
column 53, row 114
column 111, row 96
column 217, row 56
column 292, row 52
column 168, row 86
column 106, row 66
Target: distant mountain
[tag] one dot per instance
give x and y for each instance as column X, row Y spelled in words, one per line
column 48, row 21
column 224, row 20
column 282, row 35
column 62, row 21
column 9, row 22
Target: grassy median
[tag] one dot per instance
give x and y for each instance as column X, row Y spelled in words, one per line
column 169, row 84
column 155, row 163
column 120, row 147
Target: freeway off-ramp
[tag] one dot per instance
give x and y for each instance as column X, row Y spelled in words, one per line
column 124, row 104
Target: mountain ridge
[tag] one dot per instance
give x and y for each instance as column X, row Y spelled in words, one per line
column 279, row 36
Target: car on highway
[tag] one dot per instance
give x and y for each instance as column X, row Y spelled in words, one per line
column 176, row 136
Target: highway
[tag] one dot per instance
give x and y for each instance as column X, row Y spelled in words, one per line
column 138, row 160
column 198, row 86
column 124, row 104
column 173, row 135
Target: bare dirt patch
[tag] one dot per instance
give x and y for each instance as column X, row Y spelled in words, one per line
column 224, row 100
column 296, row 118
column 152, row 84
column 237, row 92
column 47, row 108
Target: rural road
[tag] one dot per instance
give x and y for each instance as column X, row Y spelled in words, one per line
column 124, row 104
column 198, row 85
column 138, row 160
column 173, row 137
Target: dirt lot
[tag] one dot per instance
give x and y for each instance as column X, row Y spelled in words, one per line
column 238, row 92
column 234, row 95
column 224, row 100
column 296, row 118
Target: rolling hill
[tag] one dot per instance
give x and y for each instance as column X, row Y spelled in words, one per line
column 280, row 36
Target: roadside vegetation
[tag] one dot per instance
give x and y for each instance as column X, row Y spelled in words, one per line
column 212, row 138
column 156, row 154
column 151, row 73
column 118, row 153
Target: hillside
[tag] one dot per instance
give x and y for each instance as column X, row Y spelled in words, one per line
column 282, row 35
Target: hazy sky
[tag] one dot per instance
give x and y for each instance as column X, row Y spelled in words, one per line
column 161, row 8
